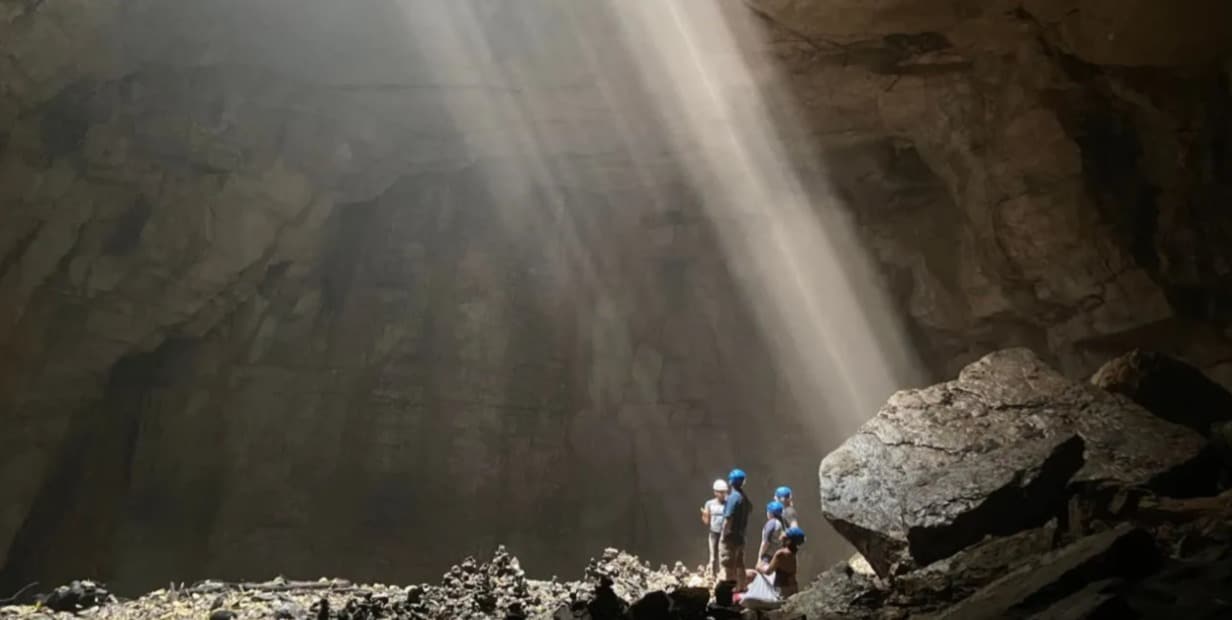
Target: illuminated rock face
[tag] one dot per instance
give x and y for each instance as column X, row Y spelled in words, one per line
column 278, row 293
column 1045, row 174
column 994, row 452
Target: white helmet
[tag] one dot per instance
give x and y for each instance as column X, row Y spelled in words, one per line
column 720, row 485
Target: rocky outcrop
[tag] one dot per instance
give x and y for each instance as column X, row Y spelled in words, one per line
column 993, row 452
column 1112, row 543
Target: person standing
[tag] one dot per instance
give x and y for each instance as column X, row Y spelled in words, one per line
column 783, row 496
column 771, row 533
column 712, row 516
column 735, row 524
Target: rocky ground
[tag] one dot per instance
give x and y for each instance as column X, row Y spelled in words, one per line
column 496, row 588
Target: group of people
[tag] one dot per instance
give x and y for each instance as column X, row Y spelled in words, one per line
column 727, row 515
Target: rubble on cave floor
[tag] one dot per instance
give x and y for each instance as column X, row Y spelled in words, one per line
column 1010, row 492
column 1014, row 492
column 496, row 588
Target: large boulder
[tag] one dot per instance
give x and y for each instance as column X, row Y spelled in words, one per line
column 1168, row 388
column 994, row 452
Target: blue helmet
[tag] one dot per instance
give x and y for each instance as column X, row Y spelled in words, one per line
column 796, row 535
column 782, row 492
column 736, row 475
column 775, row 508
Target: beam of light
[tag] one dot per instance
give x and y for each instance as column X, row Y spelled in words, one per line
column 817, row 296
column 669, row 90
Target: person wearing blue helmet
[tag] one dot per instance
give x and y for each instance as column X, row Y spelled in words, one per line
column 771, row 532
column 735, row 524
column 783, row 565
column 783, row 495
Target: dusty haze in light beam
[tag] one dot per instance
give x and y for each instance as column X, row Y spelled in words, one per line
column 688, row 83
column 817, row 296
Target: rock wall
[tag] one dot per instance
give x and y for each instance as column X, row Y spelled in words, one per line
column 310, row 288
column 1049, row 174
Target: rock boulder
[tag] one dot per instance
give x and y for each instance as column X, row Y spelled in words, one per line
column 1168, row 388
column 992, row 453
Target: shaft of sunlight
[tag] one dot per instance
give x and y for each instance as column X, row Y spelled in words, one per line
column 815, row 293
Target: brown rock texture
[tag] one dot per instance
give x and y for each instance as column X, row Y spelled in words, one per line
column 1168, row 388
column 990, row 453
column 303, row 283
column 1049, row 174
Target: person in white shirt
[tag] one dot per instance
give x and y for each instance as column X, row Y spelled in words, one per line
column 712, row 515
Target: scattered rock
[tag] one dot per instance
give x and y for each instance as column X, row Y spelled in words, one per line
column 838, row 592
column 76, row 596
column 999, row 515
column 991, row 453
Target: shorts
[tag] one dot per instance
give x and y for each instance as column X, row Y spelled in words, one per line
column 731, row 555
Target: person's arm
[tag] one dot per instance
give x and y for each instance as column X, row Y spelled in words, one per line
column 706, row 513
column 766, row 532
column 728, row 508
column 773, row 566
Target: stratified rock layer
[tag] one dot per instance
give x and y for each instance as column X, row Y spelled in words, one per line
column 992, row 452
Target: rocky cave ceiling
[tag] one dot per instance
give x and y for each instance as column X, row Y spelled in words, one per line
column 234, row 253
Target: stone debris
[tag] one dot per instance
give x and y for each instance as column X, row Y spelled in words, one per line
column 77, row 596
column 990, row 453
column 942, row 494
column 497, row 588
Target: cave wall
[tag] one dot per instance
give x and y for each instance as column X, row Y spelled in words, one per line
column 1051, row 174
column 295, row 287
column 327, row 307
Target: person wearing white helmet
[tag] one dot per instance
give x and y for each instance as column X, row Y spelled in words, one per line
column 712, row 515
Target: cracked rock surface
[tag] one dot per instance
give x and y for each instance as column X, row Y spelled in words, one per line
column 1142, row 528
column 992, row 452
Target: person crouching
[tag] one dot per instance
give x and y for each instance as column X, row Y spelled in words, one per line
column 783, row 565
